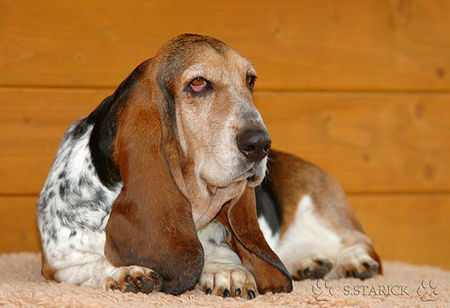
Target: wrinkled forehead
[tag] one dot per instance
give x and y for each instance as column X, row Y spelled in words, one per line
column 199, row 53
column 206, row 62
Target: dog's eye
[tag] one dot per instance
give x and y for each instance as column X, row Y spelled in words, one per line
column 250, row 81
column 198, row 84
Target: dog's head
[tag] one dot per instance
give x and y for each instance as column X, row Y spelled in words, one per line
column 181, row 121
column 208, row 87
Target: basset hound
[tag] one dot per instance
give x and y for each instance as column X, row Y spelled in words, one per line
column 161, row 188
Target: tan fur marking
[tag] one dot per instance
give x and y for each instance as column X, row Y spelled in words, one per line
column 293, row 177
column 47, row 271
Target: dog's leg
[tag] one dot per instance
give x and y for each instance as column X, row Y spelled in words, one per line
column 356, row 257
column 320, row 235
column 72, row 211
column 223, row 273
column 312, row 247
column 307, row 246
column 79, row 260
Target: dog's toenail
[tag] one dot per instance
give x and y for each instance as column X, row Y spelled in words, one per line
column 131, row 288
column 208, row 291
column 320, row 272
column 154, row 275
column 147, row 286
column 226, row 293
column 365, row 275
column 251, row 294
column 114, row 287
column 139, row 281
column 237, row 292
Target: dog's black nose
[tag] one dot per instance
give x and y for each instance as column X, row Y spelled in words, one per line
column 254, row 144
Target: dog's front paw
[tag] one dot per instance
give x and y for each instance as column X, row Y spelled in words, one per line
column 134, row 279
column 227, row 280
column 310, row 268
column 355, row 262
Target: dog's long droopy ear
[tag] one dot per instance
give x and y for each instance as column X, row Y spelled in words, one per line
column 248, row 242
column 151, row 221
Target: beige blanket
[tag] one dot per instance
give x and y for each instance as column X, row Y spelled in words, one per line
column 402, row 285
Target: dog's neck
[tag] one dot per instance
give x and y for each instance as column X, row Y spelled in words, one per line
column 206, row 200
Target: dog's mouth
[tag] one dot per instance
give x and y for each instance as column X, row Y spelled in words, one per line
column 255, row 179
column 254, row 175
column 251, row 178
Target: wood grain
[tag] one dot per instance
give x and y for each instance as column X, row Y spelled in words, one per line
column 32, row 123
column 410, row 228
column 18, row 228
column 369, row 143
column 361, row 88
column 378, row 45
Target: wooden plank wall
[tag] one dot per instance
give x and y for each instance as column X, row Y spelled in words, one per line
column 361, row 88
